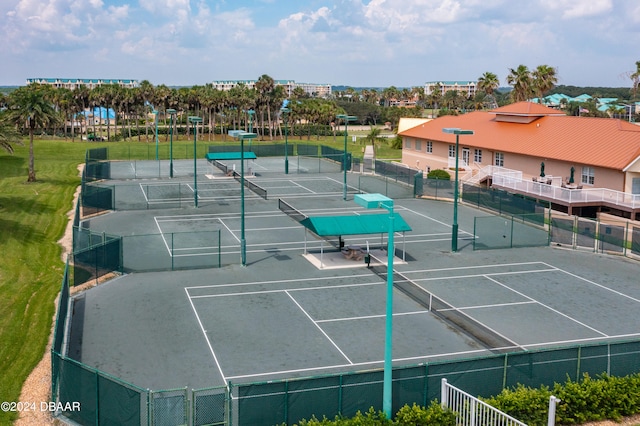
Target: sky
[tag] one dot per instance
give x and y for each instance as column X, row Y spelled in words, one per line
column 358, row 43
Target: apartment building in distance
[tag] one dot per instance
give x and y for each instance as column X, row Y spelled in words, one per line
column 314, row 90
column 468, row 87
column 91, row 83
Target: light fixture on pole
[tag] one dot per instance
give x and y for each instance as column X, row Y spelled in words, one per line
column 195, row 121
column 155, row 113
column 171, row 113
column 243, row 243
column 285, row 112
column 346, row 119
column 454, row 228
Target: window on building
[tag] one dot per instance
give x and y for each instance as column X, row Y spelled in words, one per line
column 429, row 147
column 452, row 151
column 477, row 155
column 588, row 175
column 407, row 143
column 418, row 145
column 499, row 159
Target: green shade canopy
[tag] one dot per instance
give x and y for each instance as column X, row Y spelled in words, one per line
column 248, row 155
column 325, row 226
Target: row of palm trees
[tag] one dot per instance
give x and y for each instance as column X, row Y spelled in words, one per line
column 43, row 107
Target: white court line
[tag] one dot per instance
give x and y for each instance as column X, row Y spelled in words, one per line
column 399, row 314
column 357, row 364
column 599, row 285
column 493, row 305
column 294, row 280
column 204, row 332
column 342, row 183
column 163, row 239
column 452, row 277
column 143, row 193
column 514, row 344
column 547, row 307
column 232, row 234
column 303, row 187
column 364, row 284
column 402, row 208
column 319, row 328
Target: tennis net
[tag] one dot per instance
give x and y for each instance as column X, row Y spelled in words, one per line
column 491, row 339
column 221, row 166
column 291, row 211
column 262, row 192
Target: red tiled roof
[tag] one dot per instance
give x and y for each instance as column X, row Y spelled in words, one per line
column 602, row 142
column 526, row 108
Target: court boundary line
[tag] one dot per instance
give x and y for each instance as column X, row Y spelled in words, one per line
column 204, row 333
column 318, row 327
column 548, row 307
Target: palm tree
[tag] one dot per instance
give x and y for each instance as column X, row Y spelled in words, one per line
column 9, row 135
column 30, row 106
column 373, row 136
column 544, row 79
column 264, row 88
column 635, row 79
column 520, row 79
column 489, row 83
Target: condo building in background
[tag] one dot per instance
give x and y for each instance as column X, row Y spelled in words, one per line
column 91, row 83
column 312, row 89
column 468, row 87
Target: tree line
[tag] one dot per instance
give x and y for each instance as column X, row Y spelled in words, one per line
column 42, row 107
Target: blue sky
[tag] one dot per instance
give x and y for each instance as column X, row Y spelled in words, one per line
column 379, row 43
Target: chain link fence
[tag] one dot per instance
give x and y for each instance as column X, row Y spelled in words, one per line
column 610, row 236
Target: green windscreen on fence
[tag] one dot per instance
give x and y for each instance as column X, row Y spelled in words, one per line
column 500, row 201
column 384, row 185
column 496, row 232
column 288, row 401
column 101, row 399
column 437, row 188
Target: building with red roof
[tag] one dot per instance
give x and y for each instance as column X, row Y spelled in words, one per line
column 539, row 146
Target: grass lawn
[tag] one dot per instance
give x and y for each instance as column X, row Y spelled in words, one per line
column 33, row 217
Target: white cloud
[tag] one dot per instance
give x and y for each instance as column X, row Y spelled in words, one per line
column 573, row 9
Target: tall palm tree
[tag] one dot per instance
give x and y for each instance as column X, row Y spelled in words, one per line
column 30, row 106
column 264, row 87
column 489, row 83
column 544, row 79
column 520, row 79
column 635, row 79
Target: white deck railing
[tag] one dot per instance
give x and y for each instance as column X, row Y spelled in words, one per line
column 470, row 411
column 567, row 195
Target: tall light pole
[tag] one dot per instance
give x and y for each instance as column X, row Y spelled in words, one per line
column 454, row 228
column 285, row 112
column 155, row 113
column 375, row 201
column 243, row 243
column 346, row 119
column 171, row 113
column 195, row 121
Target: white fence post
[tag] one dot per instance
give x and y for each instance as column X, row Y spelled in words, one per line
column 444, row 401
column 553, row 401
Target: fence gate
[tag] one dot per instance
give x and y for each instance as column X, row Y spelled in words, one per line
column 470, row 411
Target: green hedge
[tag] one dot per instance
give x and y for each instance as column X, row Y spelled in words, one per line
column 603, row 398
column 414, row 415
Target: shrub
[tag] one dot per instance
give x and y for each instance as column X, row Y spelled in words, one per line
column 439, row 174
column 604, row 398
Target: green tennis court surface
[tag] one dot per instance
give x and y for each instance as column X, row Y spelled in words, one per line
column 282, row 316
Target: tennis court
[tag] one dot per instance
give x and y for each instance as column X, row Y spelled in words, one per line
column 282, row 317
